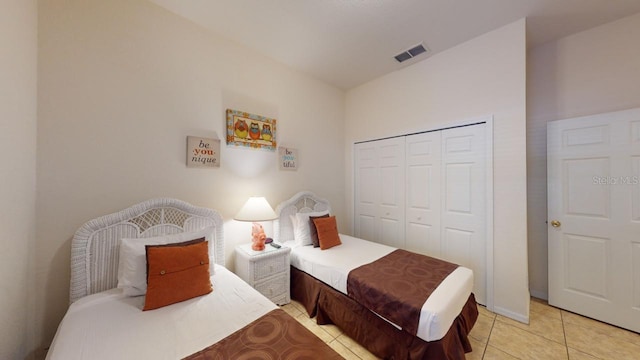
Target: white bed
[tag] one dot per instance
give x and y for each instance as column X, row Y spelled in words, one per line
column 332, row 267
column 104, row 323
column 109, row 325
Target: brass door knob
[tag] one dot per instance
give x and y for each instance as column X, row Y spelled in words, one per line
column 555, row 223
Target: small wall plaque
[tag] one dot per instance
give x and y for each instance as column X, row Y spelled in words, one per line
column 203, row 152
column 288, row 158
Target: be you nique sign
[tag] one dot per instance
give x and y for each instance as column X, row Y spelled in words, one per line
column 203, row 152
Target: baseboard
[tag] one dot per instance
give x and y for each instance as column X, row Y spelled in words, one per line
column 512, row 315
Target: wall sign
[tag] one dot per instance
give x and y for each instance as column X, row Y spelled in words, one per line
column 288, row 158
column 203, row 152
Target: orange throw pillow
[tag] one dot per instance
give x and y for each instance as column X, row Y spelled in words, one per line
column 327, row 232
column 176, row 272
column 314, row 232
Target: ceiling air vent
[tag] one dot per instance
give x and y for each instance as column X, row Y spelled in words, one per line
column 411, row 53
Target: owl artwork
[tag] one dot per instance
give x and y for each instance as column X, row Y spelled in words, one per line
column 254, row 131
column 241, row 129
column 266, row 132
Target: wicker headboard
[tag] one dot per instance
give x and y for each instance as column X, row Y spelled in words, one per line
column 304, row 201
column 95, row 247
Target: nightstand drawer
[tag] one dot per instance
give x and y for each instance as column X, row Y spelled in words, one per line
column 273, row 287
column 270, row 266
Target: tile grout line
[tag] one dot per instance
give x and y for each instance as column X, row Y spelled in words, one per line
column 529, row 334
column 565, row 338
column 489, row 337
column 564, row 333
column 345, row 346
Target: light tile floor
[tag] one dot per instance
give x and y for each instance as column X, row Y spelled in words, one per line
column 551, row 334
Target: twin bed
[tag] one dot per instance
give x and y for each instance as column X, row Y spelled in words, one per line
column 374, row 311
column 234, row 320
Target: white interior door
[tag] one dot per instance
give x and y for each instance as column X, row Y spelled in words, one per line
column 463, row 201
column 594, row 216
column 380, row 189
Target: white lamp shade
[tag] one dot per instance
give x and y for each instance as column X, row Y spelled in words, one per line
column 256, row 209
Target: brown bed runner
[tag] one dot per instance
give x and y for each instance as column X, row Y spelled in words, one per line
column 397, row 285
column 275, row 335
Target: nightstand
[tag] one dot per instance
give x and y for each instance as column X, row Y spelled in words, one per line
column 267, row 271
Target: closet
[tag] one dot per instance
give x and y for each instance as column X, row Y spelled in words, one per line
column 427, row 193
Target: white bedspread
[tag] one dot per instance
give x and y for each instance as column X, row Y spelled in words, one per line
column 109, row 325
column 332, row 266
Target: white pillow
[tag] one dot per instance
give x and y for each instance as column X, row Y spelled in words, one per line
column 132, row 265
column 301, row 230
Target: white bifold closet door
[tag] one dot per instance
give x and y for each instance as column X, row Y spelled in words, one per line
column 440, row 182
column 423, row 214
column 380, row 191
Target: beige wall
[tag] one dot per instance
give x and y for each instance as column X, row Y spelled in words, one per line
column 122, row 83
column 594, row 71
column 18, row 105
column 484, row 76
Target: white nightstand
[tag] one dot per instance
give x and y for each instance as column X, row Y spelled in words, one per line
column 267, row 271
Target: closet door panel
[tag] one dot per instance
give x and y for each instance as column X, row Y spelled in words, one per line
column 366, row 191
column 457, row 245
column 379, row 191
column 422, row 239
column 422, row 224
column 389, row 230
column 463, row 201
column 392, row 188
column 365, row 228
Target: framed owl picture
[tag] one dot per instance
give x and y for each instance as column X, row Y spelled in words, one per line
column 249, row 130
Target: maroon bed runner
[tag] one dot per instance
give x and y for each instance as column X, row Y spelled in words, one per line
column 275, row 335
column 397, row 285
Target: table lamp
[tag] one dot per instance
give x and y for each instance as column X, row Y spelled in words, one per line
column 256, row 209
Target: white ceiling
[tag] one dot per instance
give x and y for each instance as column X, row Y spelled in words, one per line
column 349, row 42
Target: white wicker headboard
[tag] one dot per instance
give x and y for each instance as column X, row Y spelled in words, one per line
column 304, row 201
column 95, row 247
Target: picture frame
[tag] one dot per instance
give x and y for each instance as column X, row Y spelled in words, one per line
column 249, row 130
column 288, row 158
column 203, row 152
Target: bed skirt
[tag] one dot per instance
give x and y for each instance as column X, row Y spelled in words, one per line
column 374, row 333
